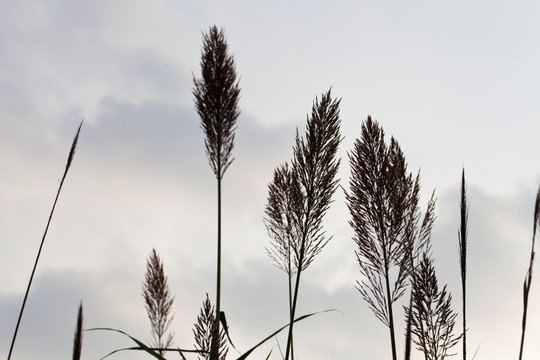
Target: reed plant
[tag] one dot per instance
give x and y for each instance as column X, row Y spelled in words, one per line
column 392, row 234
column 216, row 100
column 299, row 197
column 420, row 243
column 158, row 302
column 431, row 316
column 204, row 330
column 383, row 202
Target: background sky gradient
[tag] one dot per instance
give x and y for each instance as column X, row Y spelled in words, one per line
column 457, row 84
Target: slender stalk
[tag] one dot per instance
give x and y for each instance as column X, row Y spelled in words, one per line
column 408, row 333
column 390, row 312
column 68, row 164
column 215, row 337
column 291, row 320
column 528, row 279
column 295, row 297
column 462, row 234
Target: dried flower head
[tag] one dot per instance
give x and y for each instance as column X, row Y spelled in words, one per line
column 216, row 100
column 158, row 301
column 432, row 317
column 203, row 332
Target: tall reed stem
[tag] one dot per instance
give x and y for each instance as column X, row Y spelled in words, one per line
column 68, row 164
column 390, row 313
column 215, row 337
column 295, row 297
column 462, row 234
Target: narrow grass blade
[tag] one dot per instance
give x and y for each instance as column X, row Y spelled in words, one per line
column 223, row 321
column 247, row 353
column 142, row 346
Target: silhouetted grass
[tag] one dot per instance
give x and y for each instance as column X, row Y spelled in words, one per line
column 462, row 235
column 383, row 202
column 216, row 101
column 68, row 165
column 299, row 197
column 204, row 330
column 431, row 317
column 390, row 230
column 158, row 301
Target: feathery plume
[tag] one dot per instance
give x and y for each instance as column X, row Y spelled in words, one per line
column 158, row 301
column 216, row 100
column 204, row 330
column 383, row 202
column 432, row 317
column 300, row 195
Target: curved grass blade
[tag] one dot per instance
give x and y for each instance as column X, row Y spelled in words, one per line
column 247, row 353
column 142, row 346
column 223, row 321
column 180, row 351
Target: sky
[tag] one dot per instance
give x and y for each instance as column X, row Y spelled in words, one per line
column 456, row 83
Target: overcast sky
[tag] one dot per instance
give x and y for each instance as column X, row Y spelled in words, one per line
column 457, row 84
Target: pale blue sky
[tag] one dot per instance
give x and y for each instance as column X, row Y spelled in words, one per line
column 456, row 83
